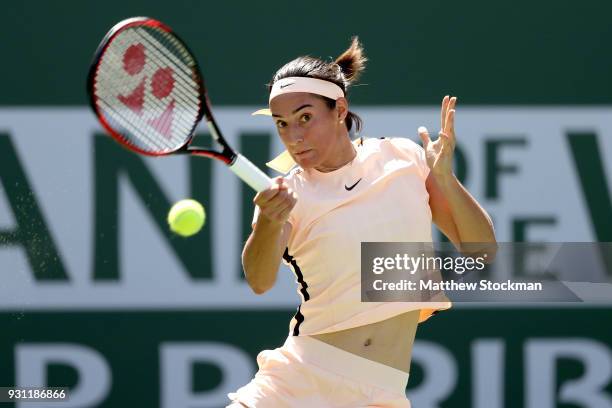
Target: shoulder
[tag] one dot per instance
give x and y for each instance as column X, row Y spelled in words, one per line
column 401, row 148
column 398, row 144
column 404, row 144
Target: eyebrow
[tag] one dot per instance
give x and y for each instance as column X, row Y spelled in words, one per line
column 295, row 111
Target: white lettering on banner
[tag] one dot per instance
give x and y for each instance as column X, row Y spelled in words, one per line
column 55, row 149
column 487, row 373
column 541, row 358
column 94, row 374
column 176, row 377
column 439, row 371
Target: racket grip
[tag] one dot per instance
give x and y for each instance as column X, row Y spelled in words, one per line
column 250, row 174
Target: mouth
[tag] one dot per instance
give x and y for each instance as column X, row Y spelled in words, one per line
column 303, row 152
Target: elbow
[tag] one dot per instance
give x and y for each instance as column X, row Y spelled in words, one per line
column 258, row 287
column 257, row 275
column 259, row 290
column 484, row 246
column 484, row 251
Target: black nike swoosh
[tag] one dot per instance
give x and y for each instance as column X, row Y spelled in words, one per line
column 353, row 186
column 285, row 85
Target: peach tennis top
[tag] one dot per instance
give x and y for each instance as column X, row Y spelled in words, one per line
column 379, row 197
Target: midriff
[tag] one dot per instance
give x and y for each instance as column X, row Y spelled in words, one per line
column 387, row 342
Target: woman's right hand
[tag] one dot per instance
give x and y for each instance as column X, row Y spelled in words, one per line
column 276, row 203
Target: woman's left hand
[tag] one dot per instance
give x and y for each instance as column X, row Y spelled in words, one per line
column 439, row 153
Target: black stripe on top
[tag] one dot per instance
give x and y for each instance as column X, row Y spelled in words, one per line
column 299, row 317
column 298, row 274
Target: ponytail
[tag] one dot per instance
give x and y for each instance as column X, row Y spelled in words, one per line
column 344, row 71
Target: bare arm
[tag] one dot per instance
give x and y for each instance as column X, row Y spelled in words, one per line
column 440, row 211
column 262, row 254
column 457, row 213
column 265, row 246
column 454, row 210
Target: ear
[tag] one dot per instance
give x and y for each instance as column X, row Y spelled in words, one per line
column 342, row 108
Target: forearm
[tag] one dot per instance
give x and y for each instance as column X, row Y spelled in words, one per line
column 472, row 222
column 262, row 254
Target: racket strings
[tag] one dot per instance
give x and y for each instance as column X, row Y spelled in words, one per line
column 121, row 124
column 148, row 74
column 165, row 54
column 182, row 93
column 161, row 118
column 138, row 129
column 125, row 120
column 150, row 70
column 189, row 91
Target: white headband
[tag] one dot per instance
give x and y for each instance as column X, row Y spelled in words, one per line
column 283, row 163
column 305, row 84
column 302, row 84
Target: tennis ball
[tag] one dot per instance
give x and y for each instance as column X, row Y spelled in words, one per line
column 186, row 217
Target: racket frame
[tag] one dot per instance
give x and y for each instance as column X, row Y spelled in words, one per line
column 227, row 155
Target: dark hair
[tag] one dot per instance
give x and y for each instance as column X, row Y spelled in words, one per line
column 343, row 72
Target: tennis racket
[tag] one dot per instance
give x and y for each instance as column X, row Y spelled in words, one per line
column 147, row 91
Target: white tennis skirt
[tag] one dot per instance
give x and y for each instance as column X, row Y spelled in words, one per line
column 306, row 372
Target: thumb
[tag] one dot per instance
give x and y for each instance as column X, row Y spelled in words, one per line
column 279, row 183
column 424, row 135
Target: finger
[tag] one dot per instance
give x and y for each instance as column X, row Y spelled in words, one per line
column 446, row 138
column 265, row 196
column 285, row 213
column 450, row 125
column 273, row 213
column 282, row 199
column 452, row 102
column 282, row 183
column 445, row 153
column 281, row 213
column 447, row 144
column 450, row 106
column 424, row 135
column 278, row 184
column 289, row 202
column 443, row 138
column 445, row 101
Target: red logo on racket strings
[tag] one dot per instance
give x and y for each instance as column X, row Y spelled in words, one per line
column 134, row 59
column 162, row 84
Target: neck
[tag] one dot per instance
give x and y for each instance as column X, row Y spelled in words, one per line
column 343, row 154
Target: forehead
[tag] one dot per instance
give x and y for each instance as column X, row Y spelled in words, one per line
column 285, row 104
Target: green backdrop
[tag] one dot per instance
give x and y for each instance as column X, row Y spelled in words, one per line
column 519, row 52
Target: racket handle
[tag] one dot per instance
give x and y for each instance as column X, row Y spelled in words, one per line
column 250, row 174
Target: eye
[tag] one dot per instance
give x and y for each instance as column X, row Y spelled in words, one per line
column 305, row 117
column 280, row 124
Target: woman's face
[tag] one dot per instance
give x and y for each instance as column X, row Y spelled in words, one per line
column 308, row 128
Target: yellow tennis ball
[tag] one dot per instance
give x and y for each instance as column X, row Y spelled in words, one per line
column 186, row 217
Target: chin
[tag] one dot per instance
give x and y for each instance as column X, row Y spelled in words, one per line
column 308, row 161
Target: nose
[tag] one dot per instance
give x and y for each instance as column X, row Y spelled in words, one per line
column 296, row 136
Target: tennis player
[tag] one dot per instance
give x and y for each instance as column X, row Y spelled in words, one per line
column 341, row 352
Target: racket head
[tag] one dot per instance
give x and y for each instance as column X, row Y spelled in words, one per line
column 146, row 88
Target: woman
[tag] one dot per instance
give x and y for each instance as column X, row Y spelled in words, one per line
column 341, row 352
